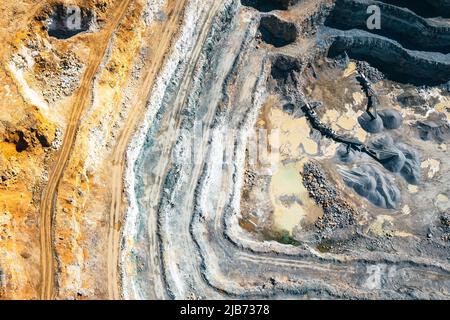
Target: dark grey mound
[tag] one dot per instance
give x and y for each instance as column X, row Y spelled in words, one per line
column 277, row 32
column 393, row 159
column 345, row 155
column 372, row 184
column 411, row 170
column 370, row 125
column 269, row 5
column 289, row 108
column 284, row 66
column 398, row 158
column 433, row 130
column 293, row 110
column 392, row 119
column 386, row 119
column 390, row 156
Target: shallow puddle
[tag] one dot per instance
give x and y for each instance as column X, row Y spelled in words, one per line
column 287, row 183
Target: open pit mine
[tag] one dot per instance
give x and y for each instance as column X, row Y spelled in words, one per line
column 224, row 149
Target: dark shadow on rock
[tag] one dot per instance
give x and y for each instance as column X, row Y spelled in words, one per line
column 410, row 30
column 397, row 63
column 283, row 80
column 277, row 32
column 411, row 100
column 424, row 8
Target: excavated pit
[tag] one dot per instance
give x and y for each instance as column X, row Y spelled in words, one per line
column 225, row 223
column 282, row 73
column 22, row 144
column 277, row 32
column 411, row 31
column 269, row 5
column 66, row 22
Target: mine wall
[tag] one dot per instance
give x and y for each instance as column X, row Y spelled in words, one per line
column 410, row 30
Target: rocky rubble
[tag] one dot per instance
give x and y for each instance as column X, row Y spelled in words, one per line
column 338, row 213
column 58, row 77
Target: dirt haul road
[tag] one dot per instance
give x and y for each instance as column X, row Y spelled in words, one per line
column 119, row 155
column 82, row 99
column 167, row 31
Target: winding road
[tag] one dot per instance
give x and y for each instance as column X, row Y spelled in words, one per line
column 49, row 195
column 167, row 31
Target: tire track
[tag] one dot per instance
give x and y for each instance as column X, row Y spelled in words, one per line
column 168, row 32
column 49, row 195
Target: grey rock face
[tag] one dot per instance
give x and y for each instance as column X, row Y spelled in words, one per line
column 397, row 63
column 411, row 170
column 425, row 8
column 410, row 30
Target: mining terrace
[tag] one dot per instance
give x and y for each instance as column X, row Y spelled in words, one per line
column 224, row 149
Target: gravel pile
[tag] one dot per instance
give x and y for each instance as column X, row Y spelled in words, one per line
column 338, row 213
column 373, row 74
